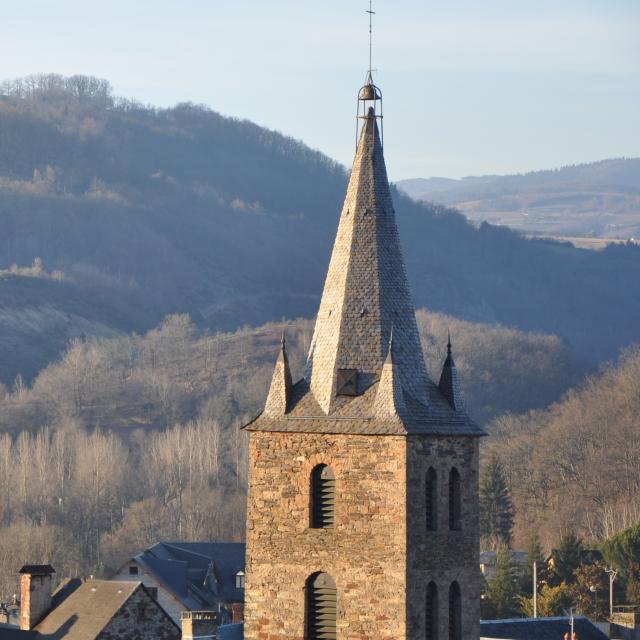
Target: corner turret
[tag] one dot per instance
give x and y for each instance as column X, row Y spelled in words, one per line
column 448, row 384
column 280, row 389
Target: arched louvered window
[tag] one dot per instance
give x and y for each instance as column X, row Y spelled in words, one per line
column 455, row 612
column 321, row 609
column 431, row 495
column 454, row 501
column 431, row 612
column 323, row 485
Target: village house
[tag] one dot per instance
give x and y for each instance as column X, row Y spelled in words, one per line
column 95, row 609
column 488, row 561
column 192, row 576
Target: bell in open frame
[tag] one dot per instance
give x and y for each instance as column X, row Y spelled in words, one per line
column 369, row 92
column 369, row 96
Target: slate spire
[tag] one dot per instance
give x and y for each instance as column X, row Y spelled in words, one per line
column 280, row 389
column 366, row 291
column 389, row 402
column 448, row 384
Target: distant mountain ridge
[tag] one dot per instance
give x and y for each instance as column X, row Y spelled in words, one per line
column 148, row 212
column 599, row 198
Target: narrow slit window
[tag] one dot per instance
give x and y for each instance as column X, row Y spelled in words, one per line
column 455, row 501
column 323, row 485
column 455, row 612
column 431, row 495
column 321, row 607
column 431, row 612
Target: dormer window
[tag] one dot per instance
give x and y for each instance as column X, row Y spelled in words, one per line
column 133, row 570
column 240, row 580
column 347, row 382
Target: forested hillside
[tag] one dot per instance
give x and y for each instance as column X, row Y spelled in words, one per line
column 577, row 463
column 596, row 199
column 175, row 373
column 93, row 470
column 144, row 212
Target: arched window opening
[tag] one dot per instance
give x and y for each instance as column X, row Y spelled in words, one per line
column 431, row 494
column 454, row 501
column 431, row 612
column 321, row 607
column 323, row 485
column 455, row 612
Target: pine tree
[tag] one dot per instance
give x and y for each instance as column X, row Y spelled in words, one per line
column 567, row 556
column 496, row 508
column 501, row 596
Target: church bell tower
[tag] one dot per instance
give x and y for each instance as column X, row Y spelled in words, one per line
column 362, row 516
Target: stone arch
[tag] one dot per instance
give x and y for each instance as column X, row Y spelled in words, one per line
column 320, row 607
column 431, row 500
column 323, row 499
column 431, row 612
column 455, row 612
column 455, row 500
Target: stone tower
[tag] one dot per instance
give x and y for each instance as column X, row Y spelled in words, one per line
column 362, row 518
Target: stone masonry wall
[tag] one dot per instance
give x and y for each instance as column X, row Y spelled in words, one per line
column 140, row 618
column 165, row 599
column 365, row 553
column 443, row 556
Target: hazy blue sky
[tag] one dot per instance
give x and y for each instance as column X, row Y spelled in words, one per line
column 470, row 86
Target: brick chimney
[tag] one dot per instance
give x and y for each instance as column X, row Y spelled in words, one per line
column 35, row 593
column 237, row 612
column 199, row 624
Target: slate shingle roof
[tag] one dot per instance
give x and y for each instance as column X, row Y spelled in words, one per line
column 182, row 567
column 366, row 298
column 88, row 610
column 356, row 416
column 540, row 629
column 231, row 632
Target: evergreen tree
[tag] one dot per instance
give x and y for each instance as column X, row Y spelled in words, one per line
column 623, row 552
column 567, row 556
column 496, row 508
column 552, row 601
column 501, row 596
column 534, row 554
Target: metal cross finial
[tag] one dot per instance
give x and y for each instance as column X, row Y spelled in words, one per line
column 371, row 14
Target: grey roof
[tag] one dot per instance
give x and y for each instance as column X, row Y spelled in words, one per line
column 87, row 611
column 356, row 416
column 489, row 556
column 366, row 298
column 14, row 633
column 184, row 568
column 231, row 632
column 540, row 629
